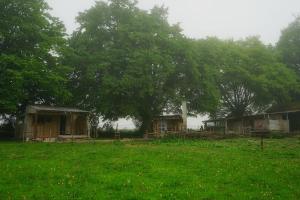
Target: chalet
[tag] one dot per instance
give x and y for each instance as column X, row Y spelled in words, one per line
column 280, row 119
column 51, row 123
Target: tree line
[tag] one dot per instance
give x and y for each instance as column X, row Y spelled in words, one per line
column 126, row 62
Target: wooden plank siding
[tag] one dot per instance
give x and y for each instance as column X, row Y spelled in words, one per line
column 47, row 125
column 169, row 125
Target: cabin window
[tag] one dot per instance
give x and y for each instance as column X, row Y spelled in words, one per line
column 285, row 117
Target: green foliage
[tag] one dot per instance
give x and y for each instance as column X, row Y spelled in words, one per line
column 194, row 80
column 248, row 74
column 127, row 61
column 176, row 169
column 289, row 49
column 31, row 44
column 289, row 45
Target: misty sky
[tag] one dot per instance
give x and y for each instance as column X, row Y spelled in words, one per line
column 225, row 19
column 200, row 18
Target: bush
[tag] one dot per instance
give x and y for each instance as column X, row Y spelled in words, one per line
column 6, row 131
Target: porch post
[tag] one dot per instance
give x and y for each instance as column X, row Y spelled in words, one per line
column 288, row 122
column 88, row 126
column 35, row 125
column 226, row 126
column 243, row 126
column 25, row 126
column 71, row 127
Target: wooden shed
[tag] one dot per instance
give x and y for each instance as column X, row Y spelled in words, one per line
column 48, row 122
column 168, row 123
column 280, row 121
column 175, row 123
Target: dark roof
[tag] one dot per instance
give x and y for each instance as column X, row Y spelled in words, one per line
column 36, row 108
column 292, row 107
column 214, row 120
column 168, row 117
column 277, row 109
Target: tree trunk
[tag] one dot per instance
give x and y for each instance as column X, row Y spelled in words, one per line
column 146, row 124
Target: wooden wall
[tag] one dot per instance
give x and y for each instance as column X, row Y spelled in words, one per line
column 48, row 128
column 48, row 125
column 173, row 125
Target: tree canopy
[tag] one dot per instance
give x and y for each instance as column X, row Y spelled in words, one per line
column 31, row 46
column 289, row 45
column 289, row 49
column 249, row 75
column 126, row 62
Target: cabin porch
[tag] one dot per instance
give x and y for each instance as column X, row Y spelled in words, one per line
column 43, row 123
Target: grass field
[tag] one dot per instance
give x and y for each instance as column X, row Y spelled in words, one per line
column 174, row 169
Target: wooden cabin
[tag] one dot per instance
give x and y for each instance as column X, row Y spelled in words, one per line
column 168, row 123
column 176, row 123
column 285, row 121
column 48, row 122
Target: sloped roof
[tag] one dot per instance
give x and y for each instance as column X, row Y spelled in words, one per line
column 277, row 109
column 36, row 108
column 292, row 107
column 168, row 117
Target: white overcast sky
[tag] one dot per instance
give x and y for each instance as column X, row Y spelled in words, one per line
column 200, row 18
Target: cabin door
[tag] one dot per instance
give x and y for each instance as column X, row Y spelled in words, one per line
column 62, row 126
column 163, row 126
column 294, row 119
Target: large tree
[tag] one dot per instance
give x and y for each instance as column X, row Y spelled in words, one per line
column 31, row 44
column 128, row 62
column 249, row 75
column 289, row 49
column 195, row 78
column 289, row 45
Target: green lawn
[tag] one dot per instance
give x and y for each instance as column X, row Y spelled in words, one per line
column 175, row 169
